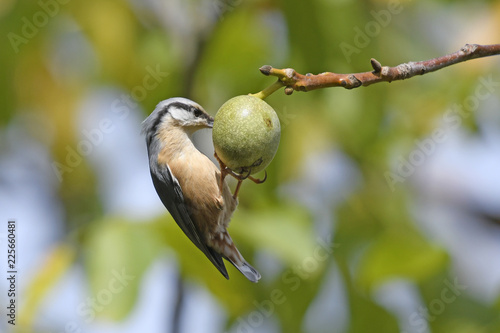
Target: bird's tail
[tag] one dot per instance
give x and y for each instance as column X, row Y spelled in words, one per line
column 231, row 253
column 247, row 270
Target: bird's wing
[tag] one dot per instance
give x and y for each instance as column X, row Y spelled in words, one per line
column 173, row 199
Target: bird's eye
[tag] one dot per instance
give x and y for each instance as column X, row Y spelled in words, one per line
column 197, row 112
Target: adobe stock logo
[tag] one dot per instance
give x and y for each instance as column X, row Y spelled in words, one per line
column 420, row 319
column 119, row 109
column 451, row 121
column 373, row 28
column 94, row 304
column 105, row 296
column 31, row 27
column 292, row 280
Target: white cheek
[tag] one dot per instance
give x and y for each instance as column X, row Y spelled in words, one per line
column 179, row 114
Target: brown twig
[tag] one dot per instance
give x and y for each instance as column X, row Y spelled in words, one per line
column 292, row 80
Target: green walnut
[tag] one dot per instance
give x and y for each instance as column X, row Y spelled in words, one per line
column 246, row 134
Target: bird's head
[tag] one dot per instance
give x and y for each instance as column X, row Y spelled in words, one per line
column 178, row 112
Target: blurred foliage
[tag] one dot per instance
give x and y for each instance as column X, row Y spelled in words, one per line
column 58, row 262
column 212, row 58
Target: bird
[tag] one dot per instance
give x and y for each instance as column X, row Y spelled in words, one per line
column 189, row 184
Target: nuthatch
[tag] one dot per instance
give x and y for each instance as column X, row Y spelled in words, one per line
column 189, row 184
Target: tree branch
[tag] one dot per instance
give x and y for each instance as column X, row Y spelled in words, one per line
column 292, row 80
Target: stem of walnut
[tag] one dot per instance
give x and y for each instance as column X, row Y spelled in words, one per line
column 292, row 80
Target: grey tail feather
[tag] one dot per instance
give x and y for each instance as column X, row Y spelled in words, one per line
column 247, row 270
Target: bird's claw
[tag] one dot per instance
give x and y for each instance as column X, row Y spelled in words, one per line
column 257, row 180
column 224, row 171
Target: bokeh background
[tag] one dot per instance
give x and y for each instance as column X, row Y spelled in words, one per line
column 382, row 208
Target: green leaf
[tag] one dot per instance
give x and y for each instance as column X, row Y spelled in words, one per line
column 241, row 43
column 195, row 267
column 366, row 314
column 400, row 254
column 117, row 253
column 284, row 230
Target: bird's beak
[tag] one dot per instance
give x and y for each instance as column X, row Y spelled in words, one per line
column 210, row 122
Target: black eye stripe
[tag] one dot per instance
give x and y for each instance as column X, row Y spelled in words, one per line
column 197, row 112
column 165, row 110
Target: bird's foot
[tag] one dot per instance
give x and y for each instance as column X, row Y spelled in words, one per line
column 240, row 177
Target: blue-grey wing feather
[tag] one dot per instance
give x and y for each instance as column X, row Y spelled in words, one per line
column 173, row 199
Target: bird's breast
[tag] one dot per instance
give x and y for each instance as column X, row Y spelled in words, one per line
column 199, row 180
